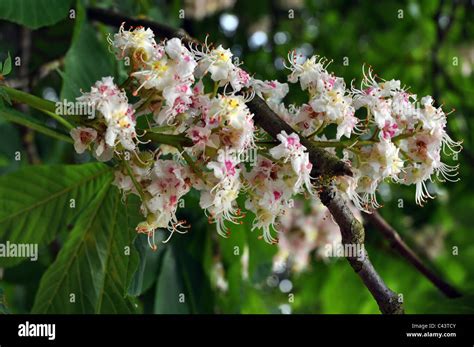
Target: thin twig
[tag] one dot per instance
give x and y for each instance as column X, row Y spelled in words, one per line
column 28, row 135
column 406, row 252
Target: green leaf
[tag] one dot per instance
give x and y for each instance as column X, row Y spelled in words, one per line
column 136, row 284
column 11, row 142
column 182, row 286
column 170, row 287
column 87, row 60
column 35, row 202
column 34, row 14
column 93, row 265
column 143, row 276
column 150, row 262
column 14, row 116
column 4, row 95
column 7, row 65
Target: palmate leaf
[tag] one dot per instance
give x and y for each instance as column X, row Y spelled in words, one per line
column 34, row 14
column 86, row 61
column 92, row 271
column 35, row 202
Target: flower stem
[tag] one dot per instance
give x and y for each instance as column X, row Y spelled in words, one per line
column 191, row 163
column 134, row 180
column 317, row 131
column 216, row 87
column 46, row 106
column 16, row 117
column 168, row 139
column 59, row 119
column 31, row 100
column 402, row 136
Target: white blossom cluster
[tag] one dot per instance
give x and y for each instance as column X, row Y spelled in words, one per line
column 397, row 137
column 196, row 126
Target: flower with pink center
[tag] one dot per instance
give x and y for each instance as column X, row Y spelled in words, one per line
column 83, row 137
column 277, row 195
column 238, row 79
column 225, row 166
column 229, row 167
column 290, row 149
column 389, row 130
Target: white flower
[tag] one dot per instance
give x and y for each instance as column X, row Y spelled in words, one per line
column 220, row 203
column 139, row 43
column 271, row 91
column 101, row 151
column 385, row 161
column 232, row 121
column 419, row 174
column 309, row 73
column 231, row 110
column 83, row 137
column 219, row 64
column 403, row 109
column 123, row 181
column 290, row 146
column 346, row 126
column 433, row 119
column 157, row 74
column 271, row 199
column 225, row 166
column 167, row 183
column 239, row 79
column 182, row 57
column 292, row 150
column 118, row 115
column 115, row 113
column 178, row 99
column 388, row 88
column 100, row 92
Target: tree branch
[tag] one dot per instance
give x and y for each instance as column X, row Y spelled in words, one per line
column 324, row 164
column 353, row 234
column 404, row 250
